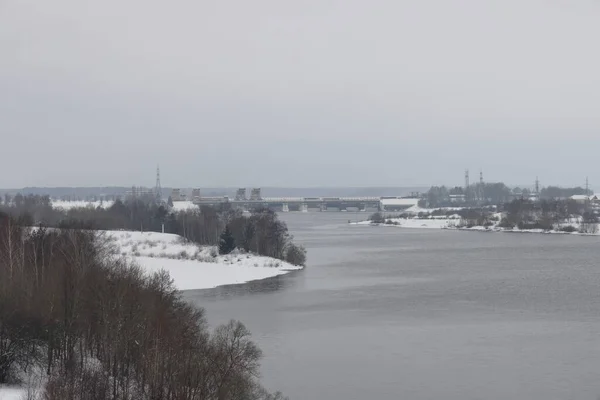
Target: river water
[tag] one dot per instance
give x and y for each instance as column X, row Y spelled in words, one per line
column 391, row 313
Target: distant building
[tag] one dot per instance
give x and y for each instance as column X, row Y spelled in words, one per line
column 255, row 195
column 398, row 203
column 240, row 195
column 195, row 194
column 458, row 198
column 176, row 195
column 582, row 198
column 137, row 192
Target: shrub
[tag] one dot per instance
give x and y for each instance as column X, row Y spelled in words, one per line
column 568, row 229
column 377, row 218
column 295, row 254
column 506, row 223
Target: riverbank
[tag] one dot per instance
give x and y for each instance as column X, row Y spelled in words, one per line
column 572, row 226
column 192, row 266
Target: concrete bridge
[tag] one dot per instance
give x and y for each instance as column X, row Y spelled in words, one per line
column 301, row 204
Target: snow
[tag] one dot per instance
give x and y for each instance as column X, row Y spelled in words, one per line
column 12, row 393
column 192, row 266
column 454, row 221
column 184, row 206
column 416, row 210
column 67, row 205
column 429, row 223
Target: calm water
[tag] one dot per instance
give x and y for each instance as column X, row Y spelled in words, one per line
column 388, row 313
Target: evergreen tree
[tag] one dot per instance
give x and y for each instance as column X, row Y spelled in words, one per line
column 227, row 243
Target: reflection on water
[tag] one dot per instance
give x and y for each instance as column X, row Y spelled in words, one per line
column 245, row 289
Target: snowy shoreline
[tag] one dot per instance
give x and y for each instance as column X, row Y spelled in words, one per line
column 453, row 224
column 191, row 266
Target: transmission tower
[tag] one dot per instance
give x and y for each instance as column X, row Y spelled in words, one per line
column 587, row 186
column 466, row 184
column 157, row 188
column 537, row 186
column 480, row 191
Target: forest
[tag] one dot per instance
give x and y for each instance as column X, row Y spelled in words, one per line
column 91, row 326
column 261, row 232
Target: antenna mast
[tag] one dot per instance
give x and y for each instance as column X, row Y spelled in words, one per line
column 467, row 185
column 480, row 186
column 157, row 188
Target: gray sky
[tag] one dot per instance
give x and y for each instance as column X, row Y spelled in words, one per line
column 298, row 93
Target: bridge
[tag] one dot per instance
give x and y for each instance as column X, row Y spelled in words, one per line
column 302, row 204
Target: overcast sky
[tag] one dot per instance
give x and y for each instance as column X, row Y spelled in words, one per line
column 298, row 93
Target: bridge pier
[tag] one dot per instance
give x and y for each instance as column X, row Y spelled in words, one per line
column 303, row 207
column 323, row 207
column 285, row 208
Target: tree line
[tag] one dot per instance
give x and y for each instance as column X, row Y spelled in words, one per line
column 261, row 232
column 100, row 328
column 495, row 193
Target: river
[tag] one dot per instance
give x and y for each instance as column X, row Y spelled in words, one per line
column 391, row 313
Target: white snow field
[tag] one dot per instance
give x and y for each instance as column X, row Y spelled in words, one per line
column 184, row 205
column 192, row 266
column 67, row 205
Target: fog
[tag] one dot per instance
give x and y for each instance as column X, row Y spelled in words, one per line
column 310, row 93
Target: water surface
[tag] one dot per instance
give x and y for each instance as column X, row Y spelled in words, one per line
column 391, row 313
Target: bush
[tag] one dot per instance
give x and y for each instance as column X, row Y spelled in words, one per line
column 295, row 254
column 589, row 228
column 568, row 229
column 507, row 224
column 377, row 218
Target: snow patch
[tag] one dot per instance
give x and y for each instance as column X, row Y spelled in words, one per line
column 68, row 205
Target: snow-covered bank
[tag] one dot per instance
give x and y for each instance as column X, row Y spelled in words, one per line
column 423, row 223
column 454, row 223
column 191, row 266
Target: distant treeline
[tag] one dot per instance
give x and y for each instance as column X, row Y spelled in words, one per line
column 548, row 214
column 494, row 193
column 261, row 232
column 99, row 328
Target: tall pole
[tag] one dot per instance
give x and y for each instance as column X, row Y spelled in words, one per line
column 466, row 184
column 158, row 188
column 480, row 187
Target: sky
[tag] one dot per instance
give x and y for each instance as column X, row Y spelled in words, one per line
column 230, row 93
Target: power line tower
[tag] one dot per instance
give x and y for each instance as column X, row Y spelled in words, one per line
column 158, row 188
column 587, row 194
column 587, row 186
column 480, row 191
column 537, row 186
column 467, row 184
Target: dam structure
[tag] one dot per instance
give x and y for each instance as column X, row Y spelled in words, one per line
column 300, row 204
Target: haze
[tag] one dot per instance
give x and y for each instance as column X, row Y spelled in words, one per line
column 298, row 93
